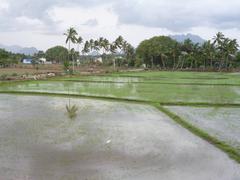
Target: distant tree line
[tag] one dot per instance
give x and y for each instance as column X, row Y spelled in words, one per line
column 165, row 53
column 219, row 53
column 8, row 59
column 100, row 46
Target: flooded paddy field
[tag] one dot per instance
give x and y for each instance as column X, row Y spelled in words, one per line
column 163, row 78
column 107, row 140
column 169, row 93
column 220, row 122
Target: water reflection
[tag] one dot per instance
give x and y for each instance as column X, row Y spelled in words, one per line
column 150, row 92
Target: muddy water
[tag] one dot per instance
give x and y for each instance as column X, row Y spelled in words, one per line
column 107, row 140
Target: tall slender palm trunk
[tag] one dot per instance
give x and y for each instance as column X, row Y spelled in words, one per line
column 163, row 62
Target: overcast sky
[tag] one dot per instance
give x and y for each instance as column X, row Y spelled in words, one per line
column 41, row 23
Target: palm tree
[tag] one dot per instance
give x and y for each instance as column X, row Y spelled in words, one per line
column 175, row 52
column 119, row 42
column 218, row 38
column 86, row 48
column 208, row 50
column 96, row 45
column 105, row 45
column 113, row 49
column 188, row 49
column 79, row 41
column 220, row 43
column 101, row 43
column 71, row 38
column 124, row 47
column 231, row 48
column 91, row 43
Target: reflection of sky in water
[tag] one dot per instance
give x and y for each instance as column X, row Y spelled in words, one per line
column 223, row 123
column 38, row 141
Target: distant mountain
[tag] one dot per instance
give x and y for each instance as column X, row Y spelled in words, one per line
column 195, row 38
column 19, row 49
column 94, row 53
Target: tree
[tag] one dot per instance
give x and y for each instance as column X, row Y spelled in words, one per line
column 113, row 49
column 208, row 51
column 162, row 51
column 91, row 44
column 58, row 54
column 231, row 49
column 96, row 45
column 71, row 38
column 79, row 41
column 105, row 45
column 157, row 49
column 4, row 56
column 119, row 42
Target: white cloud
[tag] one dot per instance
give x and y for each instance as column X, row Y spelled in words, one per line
column 45, row 21
column 4, row 5
column 180, row 15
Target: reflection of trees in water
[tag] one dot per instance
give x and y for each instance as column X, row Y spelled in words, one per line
column 71, row 111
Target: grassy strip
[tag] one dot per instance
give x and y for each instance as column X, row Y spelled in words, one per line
column 200, row 104
column 192, row 104
column 13, row 82
column 232, row 152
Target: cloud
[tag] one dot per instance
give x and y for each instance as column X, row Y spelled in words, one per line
column 91, row 22
column 134, row 19
column 175, row 15
column 180, row 15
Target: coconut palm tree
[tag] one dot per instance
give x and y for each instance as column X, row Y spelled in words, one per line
column 71, row 38
column 231, row 48
column 106, row 45
column 119, row 42
column 175, row 53
column 101, row 43
column 220, row 43
column 79, row 41
column 86, row 48
column 208, row 50
column 91, row 43
column 96, row 45
column 113, row 49
column 218, row 38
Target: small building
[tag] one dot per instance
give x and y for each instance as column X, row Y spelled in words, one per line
column 98, row 59
column 42, row 60
column 27, row 61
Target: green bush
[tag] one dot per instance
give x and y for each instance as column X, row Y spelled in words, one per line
column 14, row 74
column 66, row 66
column 3, row 77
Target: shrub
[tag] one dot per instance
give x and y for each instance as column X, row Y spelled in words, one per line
column 3, row 77
column 66, row 66
column 14, row 74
